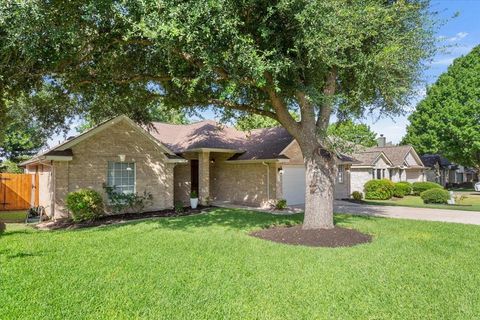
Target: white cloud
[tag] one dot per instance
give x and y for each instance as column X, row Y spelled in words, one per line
column 444, row 61
column 457, row 37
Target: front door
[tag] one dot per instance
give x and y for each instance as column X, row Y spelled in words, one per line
column 194, row 175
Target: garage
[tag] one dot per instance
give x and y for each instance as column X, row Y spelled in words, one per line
column 293, row 184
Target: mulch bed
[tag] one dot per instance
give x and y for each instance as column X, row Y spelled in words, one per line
column 119, row 218
column 331, row 238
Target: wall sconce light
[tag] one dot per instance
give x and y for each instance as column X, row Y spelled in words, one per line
column 212, row 161
column 280, row 171
column 122, row 157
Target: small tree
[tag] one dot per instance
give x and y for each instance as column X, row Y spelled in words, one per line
column 242, row 57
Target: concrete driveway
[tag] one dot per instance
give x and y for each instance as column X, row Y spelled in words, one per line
column 442, row 215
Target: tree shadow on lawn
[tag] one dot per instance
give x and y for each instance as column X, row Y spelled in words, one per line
column 233, row 219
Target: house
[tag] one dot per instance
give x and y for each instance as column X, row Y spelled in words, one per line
column 220, row 163
column 442, row 171
column 385, row 161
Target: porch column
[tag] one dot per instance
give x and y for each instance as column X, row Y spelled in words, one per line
column 204, row 177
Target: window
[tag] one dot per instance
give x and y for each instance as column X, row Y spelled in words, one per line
column 121, row 176
column 341, row 174
column 379, row 173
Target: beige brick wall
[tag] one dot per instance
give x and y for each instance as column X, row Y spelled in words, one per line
column 182, row 183
column 88, row 169
column 358, row 178
column 342, row 189
column 242, row 183
column 235, row 183
column 294, row 153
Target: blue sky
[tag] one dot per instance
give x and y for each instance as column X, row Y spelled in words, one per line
column 461, row 34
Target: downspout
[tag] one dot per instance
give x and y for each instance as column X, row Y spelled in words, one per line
column 268, row 180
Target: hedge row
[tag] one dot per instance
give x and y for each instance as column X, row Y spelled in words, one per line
column 385, row 189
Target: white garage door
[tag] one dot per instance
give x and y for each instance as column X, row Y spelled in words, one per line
column 293, row 184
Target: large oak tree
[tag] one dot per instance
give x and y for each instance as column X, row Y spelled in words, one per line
column 268, row 58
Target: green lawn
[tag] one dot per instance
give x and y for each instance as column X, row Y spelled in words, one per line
column 471, row 203
column 207, row 267
column 13, row 216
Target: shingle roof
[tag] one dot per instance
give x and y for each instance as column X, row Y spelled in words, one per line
column 256, row 144
column 430, row 160
column 396, row 154
column 366, row 158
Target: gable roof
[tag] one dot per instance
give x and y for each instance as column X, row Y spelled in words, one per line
column 398, row 154
column 256, row 144
column 63, row 150
column 369, row 158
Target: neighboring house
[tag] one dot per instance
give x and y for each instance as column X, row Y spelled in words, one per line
column 385, row 161
column 220, row 163
column 443, row 172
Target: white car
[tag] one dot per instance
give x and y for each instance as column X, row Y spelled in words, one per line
column 477, row 186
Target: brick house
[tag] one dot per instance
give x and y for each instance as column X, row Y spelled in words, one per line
column 220, row 163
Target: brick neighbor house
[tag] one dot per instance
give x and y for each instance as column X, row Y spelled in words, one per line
column 220, row 163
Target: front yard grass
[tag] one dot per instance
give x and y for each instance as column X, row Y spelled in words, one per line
column 208, row 267
column 471, row 203
column 13, row 216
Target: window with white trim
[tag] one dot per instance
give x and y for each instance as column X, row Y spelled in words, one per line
column 121, row 177
column 341, row 174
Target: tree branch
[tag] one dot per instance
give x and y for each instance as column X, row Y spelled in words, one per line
column 328, row 93
column 243, row 107
column 281, row 109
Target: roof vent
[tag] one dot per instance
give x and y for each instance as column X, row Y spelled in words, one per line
column 381, row 141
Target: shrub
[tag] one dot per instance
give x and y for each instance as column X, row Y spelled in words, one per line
column 85, row 205
column 357, row 195
column 419, row 187
column 402, row 189
column 379, row 189
column 435, row 195
column 121, row 202
column 179, row 207
column 281, row 204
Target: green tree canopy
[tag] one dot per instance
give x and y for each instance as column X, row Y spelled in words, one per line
column 447, row 121
column 348, row 130
column 358, row 133
column 23, row 136
column 239, row 56
column 156, row 112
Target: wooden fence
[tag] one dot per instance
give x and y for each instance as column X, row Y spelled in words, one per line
column 18, row 191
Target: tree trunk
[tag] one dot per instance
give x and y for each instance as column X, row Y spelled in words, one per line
column 320, row 174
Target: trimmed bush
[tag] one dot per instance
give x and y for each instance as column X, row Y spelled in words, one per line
column 379, row 189
column 281, row 204
column 435, row 195
column 356, row 195
column 402, row 189
column 419, row 187
column 85, row 205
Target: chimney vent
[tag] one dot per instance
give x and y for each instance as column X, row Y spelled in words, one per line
column 381, row 141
